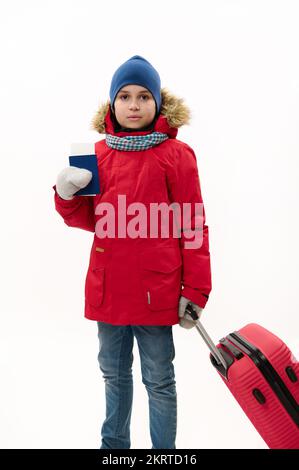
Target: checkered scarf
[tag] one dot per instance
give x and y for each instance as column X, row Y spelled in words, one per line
column 135, row 142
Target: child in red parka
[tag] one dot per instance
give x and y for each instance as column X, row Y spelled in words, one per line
column 139, row 279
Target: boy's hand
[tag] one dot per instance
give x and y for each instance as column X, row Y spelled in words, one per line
column 185, row 320
column 70, row 180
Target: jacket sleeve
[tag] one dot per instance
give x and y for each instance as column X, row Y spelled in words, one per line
column 184, row 187
column 77, row 212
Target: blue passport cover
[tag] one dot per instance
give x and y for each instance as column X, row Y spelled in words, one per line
column 89, row 162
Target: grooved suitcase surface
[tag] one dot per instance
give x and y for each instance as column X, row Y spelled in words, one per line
column 270, row 419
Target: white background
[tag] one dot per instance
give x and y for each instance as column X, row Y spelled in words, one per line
column 236, row 65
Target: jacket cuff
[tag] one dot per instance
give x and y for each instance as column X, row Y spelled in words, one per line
column 63, row 202
column 195, row 296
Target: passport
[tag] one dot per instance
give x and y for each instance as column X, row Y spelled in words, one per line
column 83, row 156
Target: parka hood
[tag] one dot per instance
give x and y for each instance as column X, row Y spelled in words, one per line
column 174, row 113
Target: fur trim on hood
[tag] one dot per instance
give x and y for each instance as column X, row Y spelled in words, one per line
column 173, row 108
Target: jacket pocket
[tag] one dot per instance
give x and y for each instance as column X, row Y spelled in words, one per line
column 161, row 278
column 94, row 286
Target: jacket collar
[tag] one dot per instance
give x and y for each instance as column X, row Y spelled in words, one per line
column 173, row 114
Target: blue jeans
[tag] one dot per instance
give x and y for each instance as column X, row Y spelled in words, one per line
column 156, row 349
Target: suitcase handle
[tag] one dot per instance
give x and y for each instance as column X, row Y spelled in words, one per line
column 209, row 342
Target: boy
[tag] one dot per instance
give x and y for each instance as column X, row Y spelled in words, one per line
column 140, row 281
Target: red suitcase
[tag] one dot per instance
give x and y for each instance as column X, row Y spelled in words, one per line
column 263, row 376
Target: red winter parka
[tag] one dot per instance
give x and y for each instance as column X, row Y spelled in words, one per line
column 138, row 280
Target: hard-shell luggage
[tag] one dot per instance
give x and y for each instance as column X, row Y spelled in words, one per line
column 263, row 376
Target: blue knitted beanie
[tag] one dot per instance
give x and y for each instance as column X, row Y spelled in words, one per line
column 136, row 71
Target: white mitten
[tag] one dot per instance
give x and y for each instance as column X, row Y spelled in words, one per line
column 70, row 180
column 185, row 320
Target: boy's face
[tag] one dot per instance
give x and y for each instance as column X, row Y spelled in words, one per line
column 134, row 100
